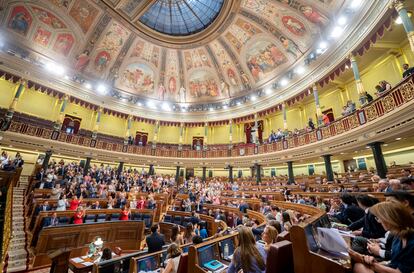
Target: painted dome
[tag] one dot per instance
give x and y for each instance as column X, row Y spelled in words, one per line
column 152, row 49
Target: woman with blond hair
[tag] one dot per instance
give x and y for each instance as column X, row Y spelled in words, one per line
column 395, row 218
column 269, row 236
column 248, row 256
column 173, row 258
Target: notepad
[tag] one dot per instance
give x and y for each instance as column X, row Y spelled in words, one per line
column 77, row 260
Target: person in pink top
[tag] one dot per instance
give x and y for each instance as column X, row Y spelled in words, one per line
column 141, row 203
column 78, row 217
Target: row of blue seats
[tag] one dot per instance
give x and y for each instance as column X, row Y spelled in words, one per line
column 181, row 220
column 93, row 218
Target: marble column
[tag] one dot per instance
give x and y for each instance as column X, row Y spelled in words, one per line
column 318, row 107
column 379, row 159
column 400, row 7
column 87, row 165
column 204, row 174
column 328, row 167
column 357, row 76
column 20, row 87
column 258, row 173
column 48, row 155
column 97, row 122
column 284, row 111
column 230, row 173
column 291, row 176
column 177, row 174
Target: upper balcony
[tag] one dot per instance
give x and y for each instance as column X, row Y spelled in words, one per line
column 386, row 117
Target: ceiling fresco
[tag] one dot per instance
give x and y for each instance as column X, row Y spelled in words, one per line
column 260, row 41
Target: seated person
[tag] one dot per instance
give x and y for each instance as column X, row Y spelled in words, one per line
column 248, row 256
column 106, row 254
column 269, row 236
column 51, row 221
column 173, row 259
column 407, row 70
column 349, row 212
column 395, row 218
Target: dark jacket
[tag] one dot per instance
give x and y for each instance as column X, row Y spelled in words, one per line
column 371, row 229
column 155, row 241
column 350, row 214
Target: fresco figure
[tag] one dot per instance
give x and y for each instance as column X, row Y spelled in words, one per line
column 161, row 92
column 182, row 95
column 290, row 46
column 313, row 16
column 82, row 61
column 20, row 23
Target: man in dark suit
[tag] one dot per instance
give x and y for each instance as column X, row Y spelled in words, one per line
column 51, row 221
column 43, row 207
column 40, row 175
column 155, row 241
column 407, row 70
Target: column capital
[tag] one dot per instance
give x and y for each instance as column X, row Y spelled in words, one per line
column 352, row 57
column 315, row 86
column 375, row 143
column 327, row 155
column 397, row 4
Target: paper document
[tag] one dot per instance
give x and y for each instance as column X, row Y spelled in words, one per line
column 77, row 260
column 87, row 263
column 331, row 240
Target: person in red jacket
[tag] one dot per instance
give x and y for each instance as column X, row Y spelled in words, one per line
column 124, row 214
column 74, row 204
column 78, row 217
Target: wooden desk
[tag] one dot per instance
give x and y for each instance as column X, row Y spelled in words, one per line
column 79, row 267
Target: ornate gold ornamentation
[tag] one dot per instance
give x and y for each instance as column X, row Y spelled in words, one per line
column 371, row 113
column 388, row 103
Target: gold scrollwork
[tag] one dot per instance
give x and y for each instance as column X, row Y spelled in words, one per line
column 389, row 103
column 371, row 113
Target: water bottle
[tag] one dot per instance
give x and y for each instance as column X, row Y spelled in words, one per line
column 226, row 251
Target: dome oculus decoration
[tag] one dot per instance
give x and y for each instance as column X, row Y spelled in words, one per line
column 181, row 17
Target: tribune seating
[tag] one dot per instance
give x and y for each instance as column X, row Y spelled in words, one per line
column 280, row 258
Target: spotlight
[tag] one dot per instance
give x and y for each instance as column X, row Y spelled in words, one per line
column 337, row 31
column 151, row 104
column 284, row 82
column 398, row 138
column 211, row 109
column 225, row 106
column 355, row 4
column 139, row 103
column 342, row 21
column 183, row 110
column 166, row 107
column 253, row 98
column 101, row 89
column 54, row 68
column 268, row 91
column 238, row 103
column 88, row 85
column 300, row 70
column 323, row 45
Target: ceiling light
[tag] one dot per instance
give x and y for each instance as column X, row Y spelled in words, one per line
column 88, row 85
column 300, row 70
column 323, row 45
column 238, row 103
column 355, row 4
column 54, row 68
column 101, row 89
column 211, row 109
column 342, row 21
column 385, row 145
column 225, row 106
column 253, row 98
column 284, row 82
column 139, row 103
column 166, row 107
column 151, row 104
column 268, row 91
column 337, row 31
column 398, row 138
column 367, row 147
column 183, row 110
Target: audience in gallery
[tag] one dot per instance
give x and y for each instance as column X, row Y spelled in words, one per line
column 408, row 71
column 7, row 163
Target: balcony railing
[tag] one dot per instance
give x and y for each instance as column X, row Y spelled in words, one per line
column 391, row 100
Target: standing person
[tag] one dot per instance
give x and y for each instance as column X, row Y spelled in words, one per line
column 176, row 237
column 62, row 203
column 155, row 241
column 189, row 233
column 125, row 214
column 248, row 256
column 394, row 217
column 74, row 203
column 78, row 217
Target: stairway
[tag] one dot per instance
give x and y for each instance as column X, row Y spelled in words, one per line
column 17, row 249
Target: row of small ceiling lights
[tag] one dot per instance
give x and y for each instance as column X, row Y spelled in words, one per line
column 102, row 88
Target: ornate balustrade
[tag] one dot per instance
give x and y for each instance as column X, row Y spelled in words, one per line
column 392, row 100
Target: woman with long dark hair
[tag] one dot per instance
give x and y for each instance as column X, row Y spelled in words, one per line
column 248, row 256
